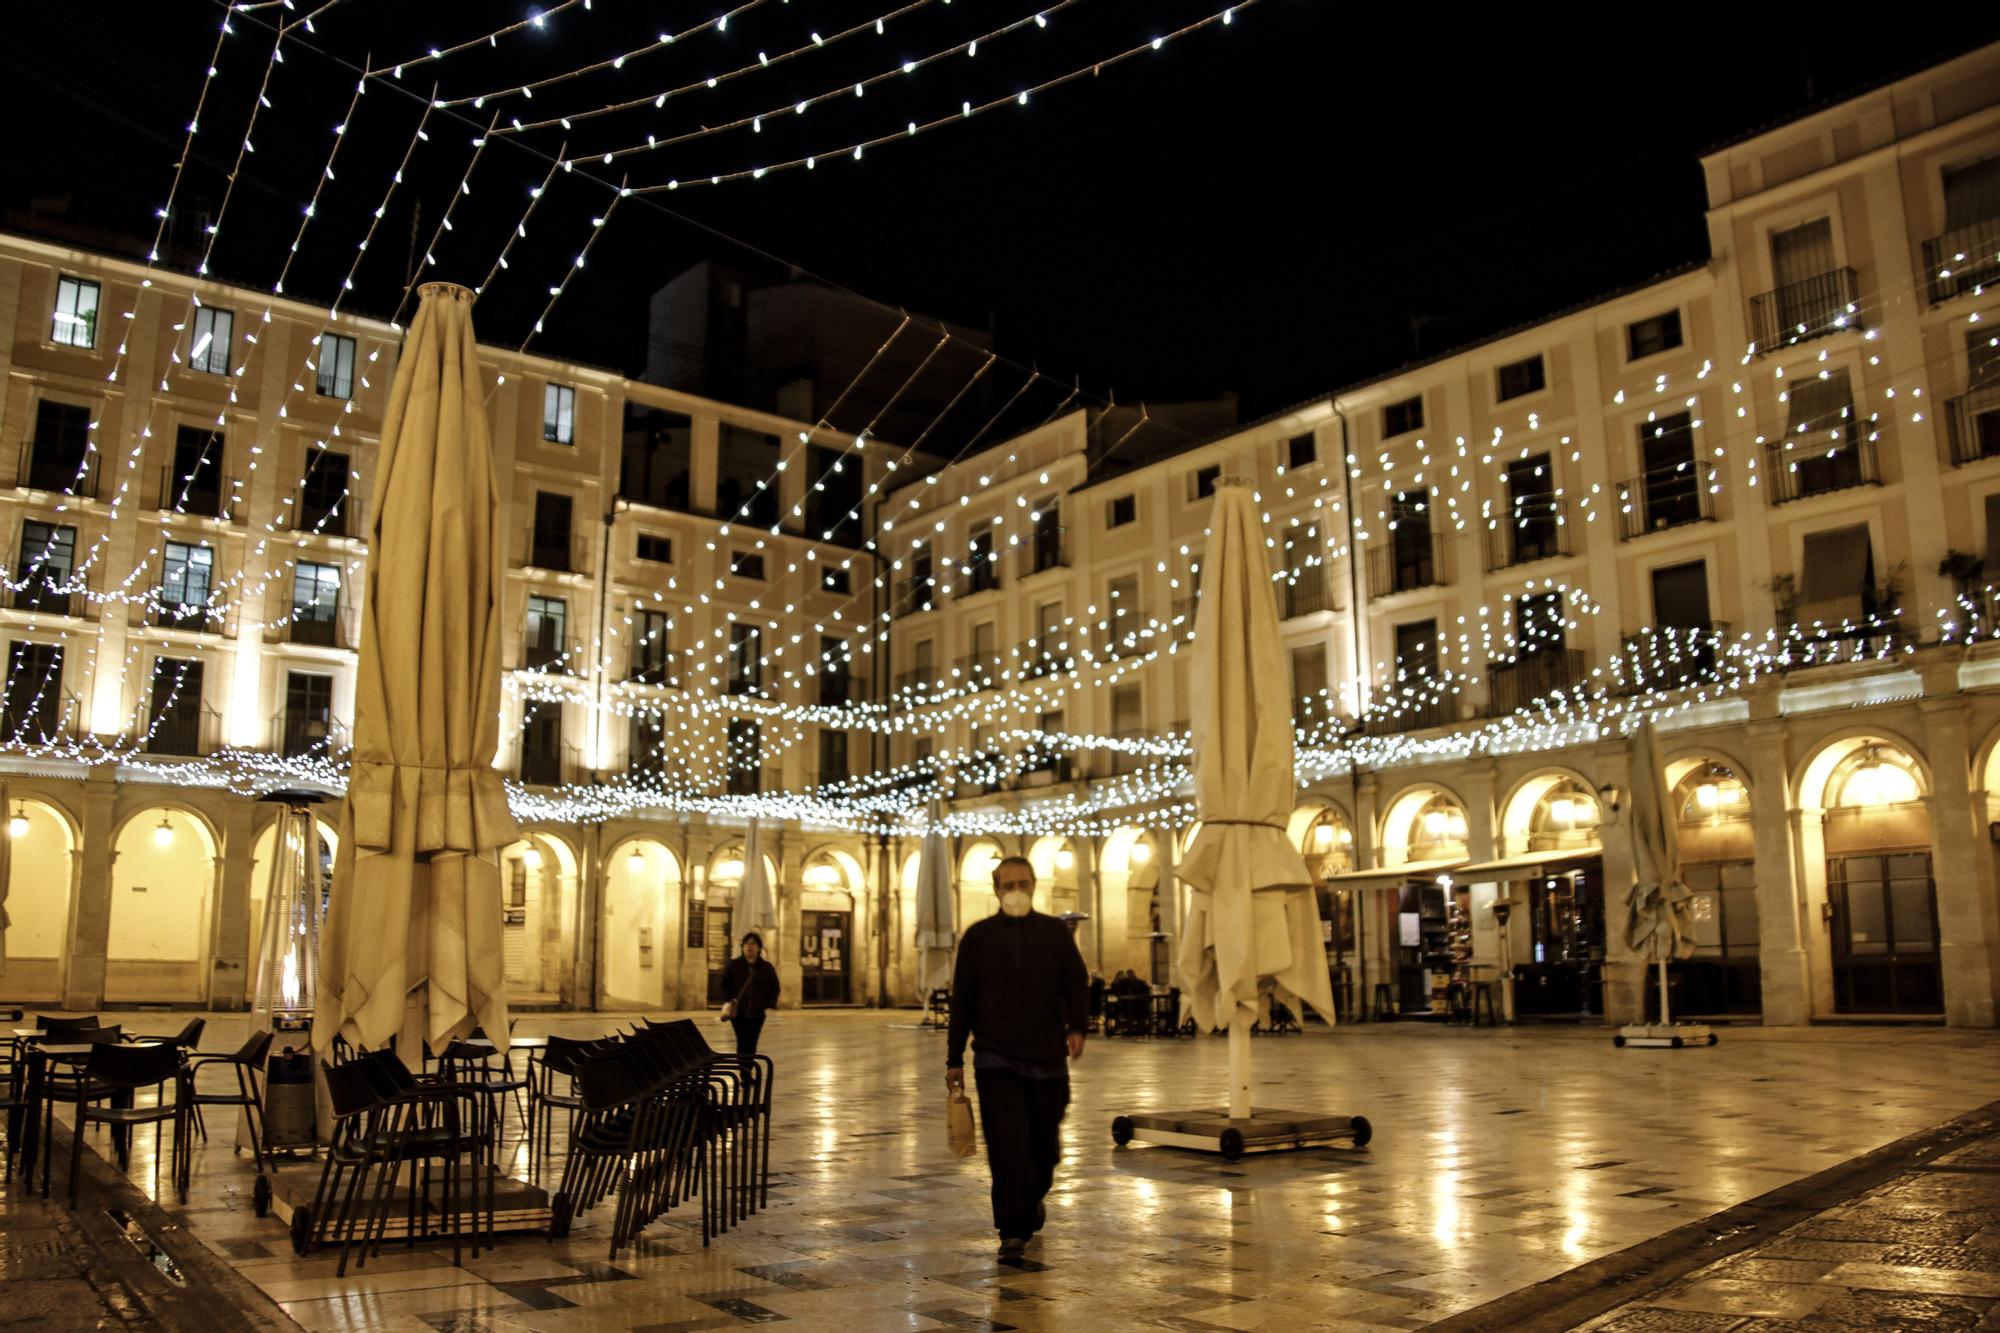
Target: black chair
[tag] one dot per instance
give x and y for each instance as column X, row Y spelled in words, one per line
column 118, row 1071
column 13, row 1097
column 64, row 1083
column 54, row 1026
column 429, row 1122
column 187, row 1039
column 246, row 1061
column 359, row 1114
column 471, row 1064
column 552, row 1088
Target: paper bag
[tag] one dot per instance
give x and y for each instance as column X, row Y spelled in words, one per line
column 958, row 1118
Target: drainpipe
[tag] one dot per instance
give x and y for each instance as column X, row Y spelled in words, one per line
column 877, row 758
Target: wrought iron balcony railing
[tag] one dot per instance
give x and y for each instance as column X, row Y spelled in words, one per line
column 1536, row 528
column 44, row 467
column 203, row 495
column 1046, row 549
column 181, row 731
column 1514, row 685
column 1798, row 471
column 1307, row 594
column 1405, row 564
column 1798, row 312
column 1972, row 425
column 1966, row 260
column 1657, row 501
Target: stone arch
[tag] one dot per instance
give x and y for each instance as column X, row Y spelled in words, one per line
column 642, row 890
column 1404, row 839
column 538, row 895
column 1519, row 809
column 164, row 876
column 42, row 873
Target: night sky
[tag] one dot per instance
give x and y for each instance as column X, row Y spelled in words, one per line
column 1310, row 195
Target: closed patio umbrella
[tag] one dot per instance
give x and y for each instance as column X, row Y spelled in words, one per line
column 1252, row 915
column 756, row 907
column 936, row 926
column 411, row 950
column 1659, row 906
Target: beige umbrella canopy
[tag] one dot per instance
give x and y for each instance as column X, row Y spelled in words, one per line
column 412, row 944
column 936, row 914
column 1660, row 910
column 1252, row 916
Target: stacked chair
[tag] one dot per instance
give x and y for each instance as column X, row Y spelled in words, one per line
column 662, row 1118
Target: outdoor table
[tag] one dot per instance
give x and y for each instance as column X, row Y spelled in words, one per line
column 40, row 1056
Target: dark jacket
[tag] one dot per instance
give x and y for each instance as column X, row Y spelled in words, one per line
column 1020, row 988
column 754, row 989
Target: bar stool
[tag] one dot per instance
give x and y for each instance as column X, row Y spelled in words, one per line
column 1483, row 993
column 1385, row 1002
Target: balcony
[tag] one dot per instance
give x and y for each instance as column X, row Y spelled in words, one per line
column 180, row 731
column 979, row 671
column 837, row 689
column 1184, row 609
column 549, row 765
column 912, row 596
column 165, row 611
column 746, row 780
column 1668, row 657
column 652, row 664
column 1317, row 715
column 38, row 716
column 1536, row 529
column 1047, row 549
column 543, row 649
column 1799, row 472
column 1414, row 708
column 556, row 553
column 980, row 575
column 58, row 471
column 1121, row 761
column 204, row 495
column 1044, row 656
column 918, row 680
column 1307, row 595
column 51, row 592
column 1655, row 503
column 1123, row 637
column 1046, row 769
column 324, row 626
column 1966, row 260
column 314, row 516
column 1531, row 677
column 1972, row 425
column 1823, row 304
column 302, row 735
column 1405, row 565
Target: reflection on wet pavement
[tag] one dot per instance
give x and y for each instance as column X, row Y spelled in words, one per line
column 1500, row 1159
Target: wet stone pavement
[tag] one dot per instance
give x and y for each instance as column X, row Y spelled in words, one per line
column 1502, row 1159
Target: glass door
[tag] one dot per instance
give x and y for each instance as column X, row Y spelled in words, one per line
column 824, row 956
column 1885, row 934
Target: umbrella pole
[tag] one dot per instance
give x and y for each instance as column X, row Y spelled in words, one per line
column 1239, row 1062
column 1665, row 1017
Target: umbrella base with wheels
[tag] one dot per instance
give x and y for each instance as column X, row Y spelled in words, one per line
column 1676, row 1036
column 1264, row 1131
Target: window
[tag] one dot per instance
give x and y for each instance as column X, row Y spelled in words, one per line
column 31, row 708
column 1301, row 451
column 746, row 565
column 60, row 458
column 1648, row 337
column 658, row 550
column 315, row 603
column 833, row 497
column 1519, row 378
column 213, row 331
column 75, row 321
column 559, row 414
column 173, row 725
column 981, row 574
column 1047, row 549
column 646, row 746
column 745, row 756
column 1402, row 418
column 1204, row 480
column 186, row 573
column 835, row 580
column 1538, row 624
column 542, row 744
column 1308, row 684
column 545, row 631
column 835, row 678
column 746, row 654
column 1982, row 359
column 549, row 541
column 651, row 649
column 1124, row 599
column 323, row 494
column 48, row 561
column 1837, row 577
column 308, row 718
column 336, row 366
column 1416, row 650
column 1121, row 510
column 194, row 486
column 832, row 755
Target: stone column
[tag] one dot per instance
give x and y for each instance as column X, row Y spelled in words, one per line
column 234, row 972
column 1781, row 925
column 787, row 890
column 90, row 914
column 1371, row 963
column 1961, row 869
column 1627, row 974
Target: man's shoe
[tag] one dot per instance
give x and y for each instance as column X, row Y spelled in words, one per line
column 1013, row 1250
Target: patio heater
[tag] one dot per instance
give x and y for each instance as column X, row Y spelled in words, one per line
column 287, row 980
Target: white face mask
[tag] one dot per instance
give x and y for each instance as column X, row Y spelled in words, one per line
column 1015, row 903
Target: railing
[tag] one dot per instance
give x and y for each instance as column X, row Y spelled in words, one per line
column 1655, row 502
column 298, row 736
column 1667, row 657
column 1044, row 656
column 1313, row 712
column 1047, row 549
column 1184, row 609
column 920, row 680
column 1406, row 565
column 179, row 495
column 50, row 596
column 1801, row 471
column 752, row 780
column 1394, row 713
column 1972, row 424
column 977, row 576
column 48, row 470
column 652, row 664
column 1307, row 594
column 1535, row 529
column 1860, row 641
column 1800, row 311
column 549, row 766
column 558, row 555
column 912, row 596
column 161, row 612
column 1127, row 761
column 1046, row 768
column 190, row 732
column 748, row 681
column 38, row 716
column 838, row 687
column 644, row 757
column 1122, row 636
column 324, row 627
column 1513, row 686
column 1963, row 261
column 542, row 650
column 979, row 671
column 342, row 518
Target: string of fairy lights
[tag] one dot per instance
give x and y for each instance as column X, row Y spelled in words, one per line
column 1661, row 670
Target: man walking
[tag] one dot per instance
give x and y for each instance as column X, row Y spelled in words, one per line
column 752, row 985
column 1022, row 993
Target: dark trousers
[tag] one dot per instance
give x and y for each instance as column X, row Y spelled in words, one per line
column 747, row 1029
column 1021, row 1117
